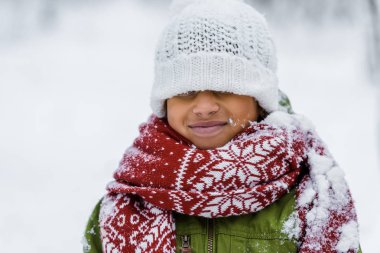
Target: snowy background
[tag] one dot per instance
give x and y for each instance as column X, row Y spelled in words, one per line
column 75, row 79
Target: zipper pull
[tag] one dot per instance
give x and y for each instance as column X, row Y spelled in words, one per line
column 185, row 248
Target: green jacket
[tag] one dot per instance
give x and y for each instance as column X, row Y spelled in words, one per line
column 257, row 232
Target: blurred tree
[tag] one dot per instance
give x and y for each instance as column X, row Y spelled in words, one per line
column 373, row 50
column 48, row 13
column 22, row 17
column 315, row 11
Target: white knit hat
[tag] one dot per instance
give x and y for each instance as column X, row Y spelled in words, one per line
column 219, row 45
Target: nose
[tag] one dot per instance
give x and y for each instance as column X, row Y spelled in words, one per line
column 205, row 104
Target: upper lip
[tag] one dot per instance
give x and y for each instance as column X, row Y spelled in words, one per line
column 208, row 124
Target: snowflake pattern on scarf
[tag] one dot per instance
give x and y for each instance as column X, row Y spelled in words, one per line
column 162, row 173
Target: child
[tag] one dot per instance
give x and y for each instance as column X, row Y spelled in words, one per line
column 223, row 164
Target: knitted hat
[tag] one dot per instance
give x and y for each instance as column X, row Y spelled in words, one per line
column 219, row 45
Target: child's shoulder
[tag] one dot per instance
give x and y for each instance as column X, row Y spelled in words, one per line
column 91, row 240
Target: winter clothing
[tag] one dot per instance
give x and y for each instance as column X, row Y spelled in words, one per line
column 162, row 173
column 219, row 45
column 280, row 226
column 257, row 232
column 261, row 231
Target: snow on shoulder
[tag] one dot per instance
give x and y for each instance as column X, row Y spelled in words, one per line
column 323, row 192
column 280, row 118
column 349, row 237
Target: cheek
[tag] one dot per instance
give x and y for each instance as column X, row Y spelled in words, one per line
column 175, row 115
column 245, row 110
column 170, row 113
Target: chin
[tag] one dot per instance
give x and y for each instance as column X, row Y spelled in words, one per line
column 208, row 145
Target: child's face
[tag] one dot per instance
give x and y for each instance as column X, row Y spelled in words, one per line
column 210, row 119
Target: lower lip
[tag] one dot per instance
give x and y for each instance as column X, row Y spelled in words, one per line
column 207, row 131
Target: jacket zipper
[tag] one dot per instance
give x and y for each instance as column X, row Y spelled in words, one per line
column 185, row 246
column 210, row 235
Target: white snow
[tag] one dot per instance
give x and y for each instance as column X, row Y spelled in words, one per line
column 108, row 207
column 282, row 118
column 85, row 245
column 338, row 186
column 321, row 164
column 71, row 101
column 292, row 226
column 307, row 196
column 328, row 182
column 348, row 237
column 305, row 123
column 279, row 118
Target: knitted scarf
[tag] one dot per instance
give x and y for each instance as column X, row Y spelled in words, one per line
column 162, row 172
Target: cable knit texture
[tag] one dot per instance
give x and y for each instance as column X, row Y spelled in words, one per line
column 219, row 45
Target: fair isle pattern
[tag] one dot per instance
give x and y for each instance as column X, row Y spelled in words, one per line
column 150, row 224
column 162, row 173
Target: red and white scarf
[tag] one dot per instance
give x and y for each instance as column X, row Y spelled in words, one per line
column 162, row 172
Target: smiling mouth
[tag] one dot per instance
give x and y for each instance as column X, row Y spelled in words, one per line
column 207, row 129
